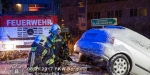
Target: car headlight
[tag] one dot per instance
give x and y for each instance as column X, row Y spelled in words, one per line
column 0, row 42
column 8, row 46
column 75, row 46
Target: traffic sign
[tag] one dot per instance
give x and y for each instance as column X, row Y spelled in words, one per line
column 63, row 30
column 104, row 21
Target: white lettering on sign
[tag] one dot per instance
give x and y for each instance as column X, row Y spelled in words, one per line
column 37, row 22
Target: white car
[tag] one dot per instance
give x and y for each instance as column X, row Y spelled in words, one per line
column 125, row 51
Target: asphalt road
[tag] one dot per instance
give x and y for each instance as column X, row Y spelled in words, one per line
column 17, row 66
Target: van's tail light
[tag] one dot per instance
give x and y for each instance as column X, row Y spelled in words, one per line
column 111, row 40
column 8, row 46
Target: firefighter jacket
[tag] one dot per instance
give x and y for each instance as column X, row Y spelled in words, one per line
column 59, row 47
column 67, row 36
column 39, row 56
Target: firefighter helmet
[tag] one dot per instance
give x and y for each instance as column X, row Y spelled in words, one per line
column 55, row 29
column 40, row 39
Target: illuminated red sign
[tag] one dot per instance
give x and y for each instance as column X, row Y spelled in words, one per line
column 31, row 22
column 11, row 21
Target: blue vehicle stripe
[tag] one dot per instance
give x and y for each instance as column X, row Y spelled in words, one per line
column 91, row 40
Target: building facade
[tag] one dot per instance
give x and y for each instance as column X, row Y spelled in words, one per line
column 134, row 14
column 31, row 7
column 0, row 7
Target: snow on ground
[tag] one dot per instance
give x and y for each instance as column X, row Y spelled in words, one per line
column 18, row 67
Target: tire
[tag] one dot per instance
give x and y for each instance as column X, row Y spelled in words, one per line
column 82, row 58
column 118, row 65
column 86, row 59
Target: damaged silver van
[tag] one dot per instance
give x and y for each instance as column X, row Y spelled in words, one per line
column 124, row 50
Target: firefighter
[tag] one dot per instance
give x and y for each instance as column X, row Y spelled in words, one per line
column 69, row 42
column 59, row 47
column 40, row 55
column 68, row 39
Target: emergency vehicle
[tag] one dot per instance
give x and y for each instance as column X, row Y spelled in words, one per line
column 18, row 27
column 18, row 33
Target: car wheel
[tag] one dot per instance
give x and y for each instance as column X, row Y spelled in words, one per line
column 82, row 58
column 118, row 65
column 85, row 58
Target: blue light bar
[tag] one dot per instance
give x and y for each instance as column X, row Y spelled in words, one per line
column 118, row 27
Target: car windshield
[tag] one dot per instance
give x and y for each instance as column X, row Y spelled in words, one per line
column 89, row 36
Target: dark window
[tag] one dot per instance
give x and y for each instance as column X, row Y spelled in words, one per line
column 133, row 12
column 118, row 13
column 99, row 15
column 98, row 1
column 104, row 1
column 110, row 14
column 71, row 17
column 76, row 16
column 96, row 15
column 90, row 15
